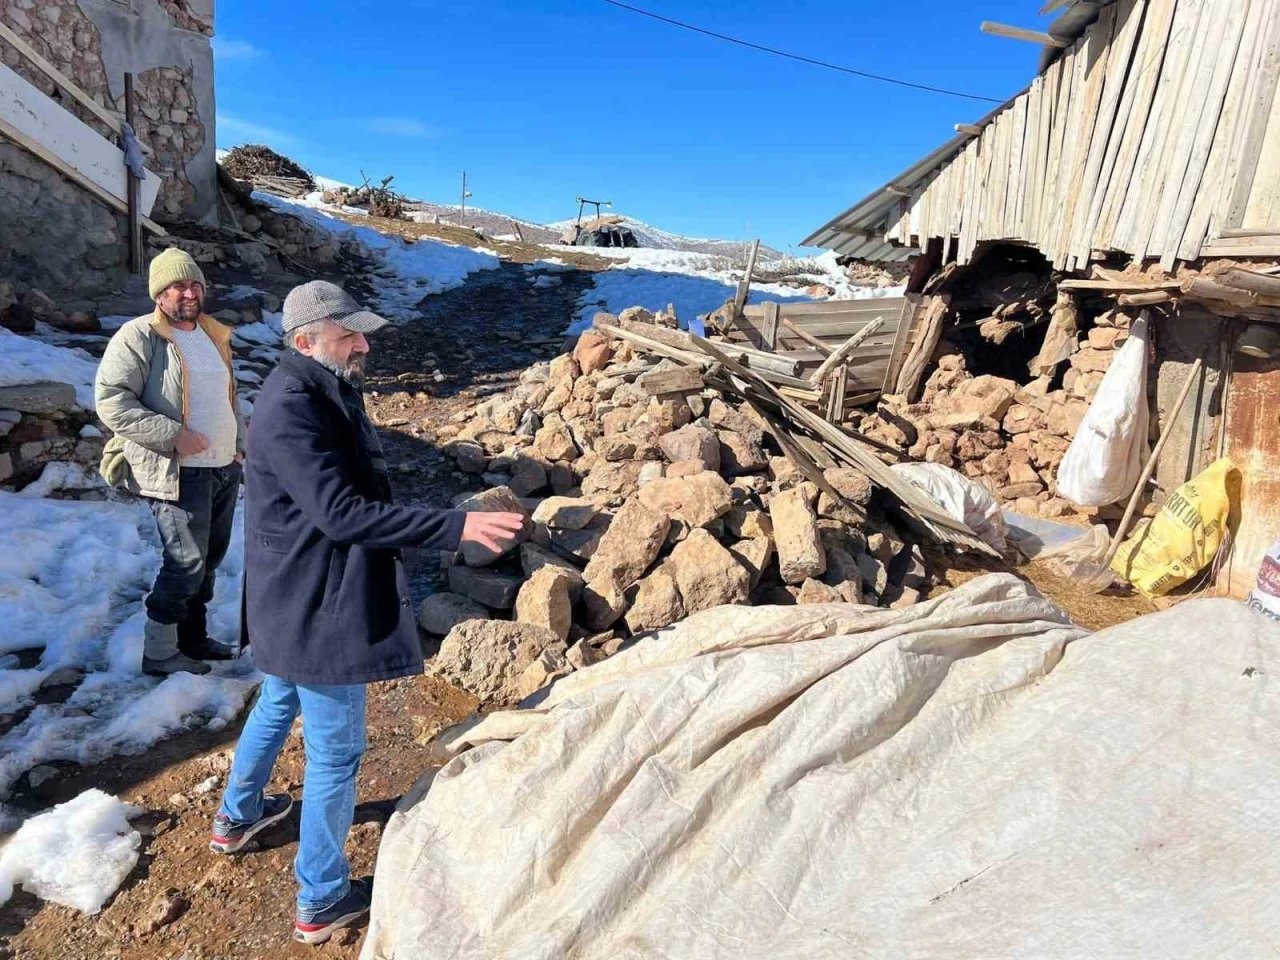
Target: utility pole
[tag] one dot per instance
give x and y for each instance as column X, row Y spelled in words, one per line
column 462, row 217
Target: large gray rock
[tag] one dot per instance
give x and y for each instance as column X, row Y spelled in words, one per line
column 655, row 602
column 697, row 500
column 497, row 500
column 497, row 591
column 630, row 545
column 707, row 574
column 796, row 537
column 554, row 442
column 692, row 443
column 746, row 521
column 545, row 600
column 39, row 398
column 441, row 612
column 616, row 481
column 727, row 418
column 487, row 657
column 604, row 600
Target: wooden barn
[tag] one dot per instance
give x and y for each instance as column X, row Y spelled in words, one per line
column 1139, row 172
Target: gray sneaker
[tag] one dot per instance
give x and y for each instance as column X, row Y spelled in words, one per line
column 178, row 663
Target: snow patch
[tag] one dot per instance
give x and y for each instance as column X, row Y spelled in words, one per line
column 409, row 271
column 26, row 360
column 76, row 854
column 72, row 578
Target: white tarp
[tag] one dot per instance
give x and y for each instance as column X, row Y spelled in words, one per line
column 835, row 781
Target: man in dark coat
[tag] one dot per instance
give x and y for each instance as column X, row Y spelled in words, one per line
column 326, row 601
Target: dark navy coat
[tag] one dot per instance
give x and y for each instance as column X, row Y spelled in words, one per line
column 326, row 598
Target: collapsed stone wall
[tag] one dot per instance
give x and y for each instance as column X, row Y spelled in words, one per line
column 1010, row 436
column 645, row 507
column 41, row 424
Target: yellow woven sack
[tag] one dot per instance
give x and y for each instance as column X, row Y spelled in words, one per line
column 1184, row 536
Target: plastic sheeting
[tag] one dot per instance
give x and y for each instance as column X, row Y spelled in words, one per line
column 1104, row 460
column 965, row 500
column 834, row 781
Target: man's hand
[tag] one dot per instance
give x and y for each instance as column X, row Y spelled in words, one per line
column 487, row 529
column 189, row 442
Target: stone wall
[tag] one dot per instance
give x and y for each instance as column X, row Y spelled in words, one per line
column 54, row 235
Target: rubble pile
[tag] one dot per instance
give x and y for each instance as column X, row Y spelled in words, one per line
column 643, row 507
column 1008, row 436
column 254, row 162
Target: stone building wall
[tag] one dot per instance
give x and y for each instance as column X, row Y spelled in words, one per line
column 48, row 225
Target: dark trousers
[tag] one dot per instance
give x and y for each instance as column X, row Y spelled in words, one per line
column 195, row 532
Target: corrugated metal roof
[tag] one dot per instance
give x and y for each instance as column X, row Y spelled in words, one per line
column 859, row 231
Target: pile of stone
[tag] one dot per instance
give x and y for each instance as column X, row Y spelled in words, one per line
column 23, row 306
column 642, row 507
column 1010, row 437
column 41, row 424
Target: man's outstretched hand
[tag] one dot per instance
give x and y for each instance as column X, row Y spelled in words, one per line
column 487, row 529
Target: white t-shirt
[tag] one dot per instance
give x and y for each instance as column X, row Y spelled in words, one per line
column 208, row 399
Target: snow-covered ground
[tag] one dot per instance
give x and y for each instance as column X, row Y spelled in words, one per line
column 72, row 578
column 409, row 271
column 697, row 283
column 28, row 360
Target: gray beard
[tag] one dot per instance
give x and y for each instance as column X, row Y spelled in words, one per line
column 347, row 372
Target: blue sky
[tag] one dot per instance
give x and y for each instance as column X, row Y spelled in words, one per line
column 542, row 100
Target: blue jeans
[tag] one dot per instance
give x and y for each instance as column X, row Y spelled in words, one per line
column 334, row 737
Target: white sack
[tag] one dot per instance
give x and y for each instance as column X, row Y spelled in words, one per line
column 1104, row 460
column 832, row 782
column 966, row 500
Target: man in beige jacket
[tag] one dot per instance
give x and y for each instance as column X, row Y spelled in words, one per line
column 166, row 388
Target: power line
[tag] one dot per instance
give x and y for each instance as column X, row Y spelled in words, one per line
column 798, row 57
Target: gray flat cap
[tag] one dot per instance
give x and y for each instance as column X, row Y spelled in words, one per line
column 321, row 300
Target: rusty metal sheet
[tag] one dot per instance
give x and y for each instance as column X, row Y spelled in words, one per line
column 1253, row 443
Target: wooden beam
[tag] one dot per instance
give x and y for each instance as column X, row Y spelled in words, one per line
column 136, row 251
column 843, row 351
column 1119, row 286
column 897, row 191
column 1262, row 283
column 970, row 128
column 744, row 285
column 1148, row 298
column 108, row 117
column 679, row 380
column 11, row 132
column 806, row 337
column 993, row 29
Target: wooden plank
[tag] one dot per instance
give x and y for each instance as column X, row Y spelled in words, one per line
column 846, row 349
column 652, row 346
column 1262, row 283
column 1013, row 193
column 1097, row 46
column 1118, row 286
column 1171, row 159
column 801, row 311
column 1255, row 119
column 1065, row 67
column 769, row 335
column 678, row 380
column 109, row 117
column 744, row 285
column 1265, row 248
column 137, row 254
column 71, row 173
column 995, row 29
column 39, row 122
column 972, row 129
column 1126, row 17
column 1260, row 210
column 934, row 311
column 836, row 393
column 1202, row 124
column 1148, row 298
column 1221, row 151
column 906, row 322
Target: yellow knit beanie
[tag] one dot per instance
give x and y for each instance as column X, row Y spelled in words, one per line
column 171, row 266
